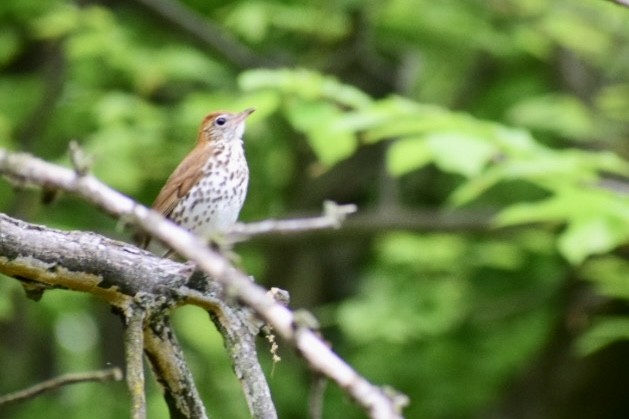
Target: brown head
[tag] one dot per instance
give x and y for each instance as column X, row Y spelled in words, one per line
column 223, row 126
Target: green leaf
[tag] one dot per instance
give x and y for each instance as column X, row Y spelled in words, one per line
column 304, row 84
column 316, row 120
column 265, row 102
column 59, row 22
column 515, row 142
column 589, row 236
column 609, row 276
column 512, row 147
column 249, row 20
column 570, row 29
column 560, row 114
column 475, row 187
column 597, row 220
column 572, row 203
column 531, row 40
column 457, row 152
column 606, row 331
column 551, row 170
column 408, row 154
column 396, row 116
column 179, row 62
column 552, row 209
column 255, row 20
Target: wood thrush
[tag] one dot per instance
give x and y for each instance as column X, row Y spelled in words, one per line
column 207, row 190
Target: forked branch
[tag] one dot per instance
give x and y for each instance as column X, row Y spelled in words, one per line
column 375, row 400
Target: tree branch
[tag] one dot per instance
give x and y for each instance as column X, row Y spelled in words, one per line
column 239, row 328
column 333, row 216
column 170, row 369
column 121, row 274
column 134, row 347
column 81, row 377
column 29, row 170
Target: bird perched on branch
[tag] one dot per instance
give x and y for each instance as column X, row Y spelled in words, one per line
column 206, row 191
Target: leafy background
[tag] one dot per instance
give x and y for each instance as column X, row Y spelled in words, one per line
column 485, row 143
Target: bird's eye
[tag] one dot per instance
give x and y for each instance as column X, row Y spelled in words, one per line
column 220, row 121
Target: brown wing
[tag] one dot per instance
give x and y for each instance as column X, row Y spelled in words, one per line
column 185, row 176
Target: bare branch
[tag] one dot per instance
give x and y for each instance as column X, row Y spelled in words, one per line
column 110, row 374
column 333, row 216
column 134, row 348
column 241, row 347
column 239, row 328
column 171, row 371
column 369, row 222
column 123, row 275
column 377, row 402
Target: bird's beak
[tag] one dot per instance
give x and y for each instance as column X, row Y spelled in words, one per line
column 241, row 116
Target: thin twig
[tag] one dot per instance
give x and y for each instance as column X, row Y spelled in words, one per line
column 333, row 216
column 109, row 374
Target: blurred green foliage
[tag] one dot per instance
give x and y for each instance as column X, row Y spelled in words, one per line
column 518, row 109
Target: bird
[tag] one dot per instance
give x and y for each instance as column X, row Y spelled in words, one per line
column 206, row 191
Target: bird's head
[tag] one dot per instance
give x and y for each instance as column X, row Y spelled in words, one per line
column 223, row 127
